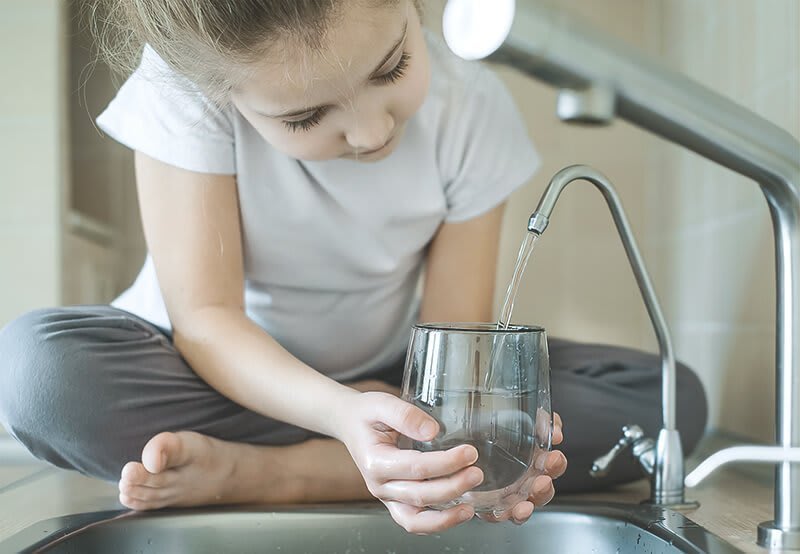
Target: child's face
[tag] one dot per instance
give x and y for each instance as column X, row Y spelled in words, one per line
column 350, row 100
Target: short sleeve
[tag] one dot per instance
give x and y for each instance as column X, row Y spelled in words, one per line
column 485, row 153
column 166, row 117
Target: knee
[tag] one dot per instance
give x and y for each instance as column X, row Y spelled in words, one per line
column 45, row 399
column 691, row 407
column 23, row 370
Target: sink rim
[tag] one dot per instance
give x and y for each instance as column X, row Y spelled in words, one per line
column 666, row 524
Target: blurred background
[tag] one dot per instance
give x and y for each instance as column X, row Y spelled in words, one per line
column 70, row 233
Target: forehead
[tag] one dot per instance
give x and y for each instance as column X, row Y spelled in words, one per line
column 292, row 73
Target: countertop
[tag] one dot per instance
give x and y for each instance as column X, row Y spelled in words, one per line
column 732, row 501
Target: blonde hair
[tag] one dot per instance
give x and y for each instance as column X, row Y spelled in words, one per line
column 210, row 42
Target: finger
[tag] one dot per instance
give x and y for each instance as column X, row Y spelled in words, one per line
column 555, row 464
column 436, row 491
column 543, row 490
column 391, row 463
column 522, row 512
column 374, row 385
column 558, row 431
column 406, row 418
column 493, row 517
column 424, row 522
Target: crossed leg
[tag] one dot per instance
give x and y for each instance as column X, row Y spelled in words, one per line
column 186, row 468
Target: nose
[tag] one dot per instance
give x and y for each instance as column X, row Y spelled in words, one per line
column 370, row 131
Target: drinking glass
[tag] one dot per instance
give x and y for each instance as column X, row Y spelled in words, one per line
column 488, row 387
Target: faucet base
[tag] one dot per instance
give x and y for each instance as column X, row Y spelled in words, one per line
column 667, row 472
column 772, row 537
column 681, row 505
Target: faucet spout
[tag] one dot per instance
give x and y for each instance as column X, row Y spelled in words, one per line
column 667, row 471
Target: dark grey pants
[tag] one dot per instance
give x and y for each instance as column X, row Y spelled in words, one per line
column 86, row 387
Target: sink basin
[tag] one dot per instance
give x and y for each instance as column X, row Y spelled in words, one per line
column 366, row 528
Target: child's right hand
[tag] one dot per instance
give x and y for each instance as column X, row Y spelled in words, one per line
column 407, row 481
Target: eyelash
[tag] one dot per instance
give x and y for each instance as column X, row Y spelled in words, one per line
column 307, row 123
column 397, row 73
column 389, row 78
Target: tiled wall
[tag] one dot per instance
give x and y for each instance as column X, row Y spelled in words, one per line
column 708, row 228
column 32, row 153
column 704, row 231
column 578, row 283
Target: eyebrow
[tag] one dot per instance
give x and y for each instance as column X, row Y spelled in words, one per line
column 392, row 51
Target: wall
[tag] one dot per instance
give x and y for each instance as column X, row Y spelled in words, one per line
column 103, row 188
column 709, row 229
column 704, row 232
column 578, row 283
column 55, row 164
column 33, row 154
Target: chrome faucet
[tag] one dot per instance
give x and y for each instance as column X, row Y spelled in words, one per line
column 600, row 78
column 663, row 459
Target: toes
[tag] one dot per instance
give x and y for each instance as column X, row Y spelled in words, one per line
column 164, row 451
column 141, row 504
column 144, row 494
column 135, row 474
column 177, row 469
column 138, row 491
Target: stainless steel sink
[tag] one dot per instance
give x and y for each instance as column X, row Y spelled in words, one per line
column 366, row 528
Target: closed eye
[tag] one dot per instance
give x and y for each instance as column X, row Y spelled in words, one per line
column 307, row 123
column 396, row 73
column 315, row 118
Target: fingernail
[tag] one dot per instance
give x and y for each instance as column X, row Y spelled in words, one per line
column 553, row 463
column 428, row 429
column 475, row 478
column 464, row 515
column 542, row 488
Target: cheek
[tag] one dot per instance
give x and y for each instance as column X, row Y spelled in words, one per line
column 314, row 144
column 414, row 89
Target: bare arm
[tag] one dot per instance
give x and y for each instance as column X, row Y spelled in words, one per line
column 192, row 228
column 460, row 275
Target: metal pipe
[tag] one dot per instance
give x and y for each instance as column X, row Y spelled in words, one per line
column 548, row 45
column 538, row 223
column 751, row 454
column 667, row 477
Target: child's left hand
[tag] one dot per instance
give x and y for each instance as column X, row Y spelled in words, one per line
column 555, row 464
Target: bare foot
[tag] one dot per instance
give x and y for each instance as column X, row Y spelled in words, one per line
column 190, row 469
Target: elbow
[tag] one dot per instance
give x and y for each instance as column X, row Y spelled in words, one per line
column 202, row 326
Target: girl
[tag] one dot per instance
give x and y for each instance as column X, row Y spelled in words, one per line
column 298, row 164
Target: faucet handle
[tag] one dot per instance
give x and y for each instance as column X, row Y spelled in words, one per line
column 631, row 434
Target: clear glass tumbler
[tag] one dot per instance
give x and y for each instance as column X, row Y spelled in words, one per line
column 490, row 388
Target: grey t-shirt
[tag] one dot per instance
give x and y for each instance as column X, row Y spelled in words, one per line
column 333, row 250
